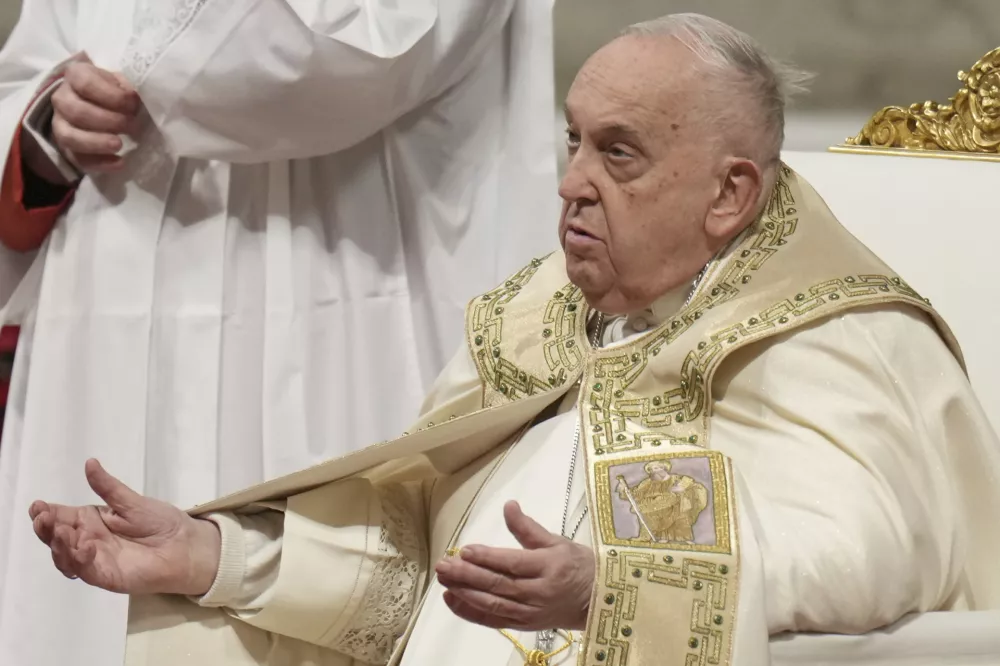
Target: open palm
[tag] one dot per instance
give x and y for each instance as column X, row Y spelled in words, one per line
column 134, row 545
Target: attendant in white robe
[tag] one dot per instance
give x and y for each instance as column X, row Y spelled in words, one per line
column 280, row 268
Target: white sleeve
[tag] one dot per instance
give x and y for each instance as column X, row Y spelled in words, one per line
column 341, row 566
column 264, row 80
column 249, row 559
column 43, row 40
column 842, row 436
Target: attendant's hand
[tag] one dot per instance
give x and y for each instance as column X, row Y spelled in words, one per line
column 547, row 585
column 92, row 108
column 134, row 545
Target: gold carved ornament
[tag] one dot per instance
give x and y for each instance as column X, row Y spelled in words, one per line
column 968, row 126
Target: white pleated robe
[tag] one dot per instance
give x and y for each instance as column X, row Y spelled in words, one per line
column 350, row 173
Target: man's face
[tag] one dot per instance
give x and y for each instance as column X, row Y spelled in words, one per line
column 642, row 175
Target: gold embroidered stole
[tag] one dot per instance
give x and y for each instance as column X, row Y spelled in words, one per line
column 662, row 503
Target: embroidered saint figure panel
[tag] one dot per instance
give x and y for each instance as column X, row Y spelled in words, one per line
column 676, row 500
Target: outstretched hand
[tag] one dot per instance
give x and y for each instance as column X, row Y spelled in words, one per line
column 545, row 585
column 134, row 545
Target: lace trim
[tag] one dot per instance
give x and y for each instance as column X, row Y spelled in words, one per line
column 391, row 594
column 157, row 24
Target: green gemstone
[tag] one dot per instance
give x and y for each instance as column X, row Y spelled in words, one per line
column 745, row 253
column 715, row 292
column 601, row 655
column 558, row 294
column 693, row 439
column 479, row 339
column 753, row 321
column 697, row 315
column 598, row 428
column 635, row 358
column 496, row 352
column 732, row 339
column 626, row 631
column 680, row 418
column 834, row 297
column 783, row 320
column 620, row 438
column 723, row 569
column 849, row 280
column 746, row 279
column 547, row 333
column 674, row 324
column 697, row 585
column 883, row 288
column 571, row 307
column 693, row 642
column 499, row 311
column 598, row 387
column 669, row 559
column 702, row 345
column 657, row 401
column 609, row 598
column 619, row 393
column 636, row 573
column 570, row 343
column 503, row 389
column 717, row 619
column 656, row 442
column 656, row 352
column 613, row 553
column 800, row 297
column 600, row 452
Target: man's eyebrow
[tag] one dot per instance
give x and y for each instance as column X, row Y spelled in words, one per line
column 622, row 130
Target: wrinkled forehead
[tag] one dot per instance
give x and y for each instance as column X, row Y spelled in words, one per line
column 644, row 82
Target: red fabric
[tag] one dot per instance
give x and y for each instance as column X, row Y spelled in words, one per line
column 23, row 229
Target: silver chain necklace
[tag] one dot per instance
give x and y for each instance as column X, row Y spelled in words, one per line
column 544, row 639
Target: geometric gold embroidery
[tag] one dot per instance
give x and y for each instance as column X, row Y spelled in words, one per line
column 712, row 607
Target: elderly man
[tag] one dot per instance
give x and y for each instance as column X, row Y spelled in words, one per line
column 707, row 312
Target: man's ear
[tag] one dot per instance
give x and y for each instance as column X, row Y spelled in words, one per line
column 734, row 208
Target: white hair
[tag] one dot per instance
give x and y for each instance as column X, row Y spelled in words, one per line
column 738, row 64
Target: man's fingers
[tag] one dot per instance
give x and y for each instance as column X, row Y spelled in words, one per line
column 81, row 142
column 528, row 533
column 44, row 524
column 122, row 82
column 470, row 613
column 37, row 507
column 62, row 547
column 116, row 494
column 101, row 88
column 514, row 562
column 87, row 116
column 462, row 573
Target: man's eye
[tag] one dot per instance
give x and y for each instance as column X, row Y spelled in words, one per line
column 572, row 138
column 619, row 153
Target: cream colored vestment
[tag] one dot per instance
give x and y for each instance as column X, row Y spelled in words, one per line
column 850, row 468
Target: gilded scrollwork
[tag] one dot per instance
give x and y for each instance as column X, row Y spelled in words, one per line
column 969, row 122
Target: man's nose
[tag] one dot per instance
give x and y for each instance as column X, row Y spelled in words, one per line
column 576, row 185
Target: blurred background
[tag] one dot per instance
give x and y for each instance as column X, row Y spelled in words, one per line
column 866, row 54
